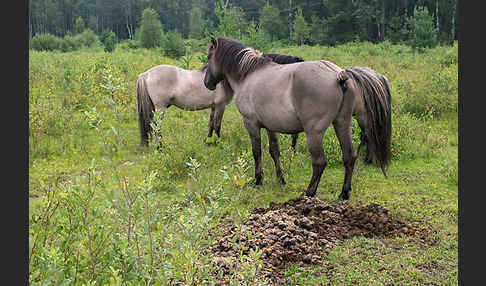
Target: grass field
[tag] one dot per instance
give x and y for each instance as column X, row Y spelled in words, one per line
column 102, row 211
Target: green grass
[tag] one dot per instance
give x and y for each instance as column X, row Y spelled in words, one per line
column 96, row 214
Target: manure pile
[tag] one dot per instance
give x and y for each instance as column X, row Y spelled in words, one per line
column 301, row 230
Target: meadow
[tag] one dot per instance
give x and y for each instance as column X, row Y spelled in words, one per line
column 104, row 211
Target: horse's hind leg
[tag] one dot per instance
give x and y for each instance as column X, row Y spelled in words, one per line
column 363, row 138
column 275, row 153
column 319, row 161
column 343, row 132
column 256, row 148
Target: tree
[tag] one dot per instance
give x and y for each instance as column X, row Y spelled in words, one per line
column 271, row 23
column 108, row 38
column 196, row 22
column 151, row 29
column 232, row 22
column 422, row 33
column 256, row 38
column 301, row 29
column 318, row 30
column 79, row 25
column 173, row 45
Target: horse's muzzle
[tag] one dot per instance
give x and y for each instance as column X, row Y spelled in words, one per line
column 209, row 86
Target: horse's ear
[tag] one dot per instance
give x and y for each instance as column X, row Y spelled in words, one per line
column 214, row 43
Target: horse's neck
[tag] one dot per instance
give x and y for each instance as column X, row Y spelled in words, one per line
column 237, row 83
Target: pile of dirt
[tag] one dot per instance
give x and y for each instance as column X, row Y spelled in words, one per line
column 301, row 230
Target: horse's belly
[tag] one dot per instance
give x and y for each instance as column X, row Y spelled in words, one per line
column 283, row 123
column 193, row 100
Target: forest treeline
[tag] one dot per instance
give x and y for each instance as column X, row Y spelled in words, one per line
column 324, row 22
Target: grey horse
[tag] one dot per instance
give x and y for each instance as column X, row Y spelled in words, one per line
column 301, row 97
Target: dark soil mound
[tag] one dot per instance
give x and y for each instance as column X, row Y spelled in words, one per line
column 300, row 230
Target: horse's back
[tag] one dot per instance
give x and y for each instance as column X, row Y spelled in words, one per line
column 179, row 87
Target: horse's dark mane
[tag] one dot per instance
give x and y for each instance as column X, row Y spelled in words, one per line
column 237, row 59
column 284, row 59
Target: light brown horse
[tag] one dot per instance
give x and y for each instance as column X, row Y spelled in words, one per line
column 165, row 85
column 300, row 97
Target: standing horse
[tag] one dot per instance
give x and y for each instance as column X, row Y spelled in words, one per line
column 361, row 114
column 165, row 85
column 300, row 97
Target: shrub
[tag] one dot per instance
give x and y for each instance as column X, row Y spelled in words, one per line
column 87, row 38
column 129, row 45
column 45, row 42
column 173, row 45
column 69, row 44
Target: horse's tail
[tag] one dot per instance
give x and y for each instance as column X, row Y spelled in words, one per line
column 145, row 110
column 377, row 101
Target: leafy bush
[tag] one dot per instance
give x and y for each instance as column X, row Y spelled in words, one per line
column 129, row 45
column 173, row 45
column 69, row 44
column 45, row 42
column 87, row 38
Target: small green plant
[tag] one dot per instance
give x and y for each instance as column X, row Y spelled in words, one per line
column 186, row 62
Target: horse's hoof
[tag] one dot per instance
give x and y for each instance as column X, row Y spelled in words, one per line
column 310, row 193
column 344, row 196
column 210, row 140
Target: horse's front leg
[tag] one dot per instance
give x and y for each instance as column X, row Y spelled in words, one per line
column 218, row 117
column 254, row 132
column 211, row 123
column 275, row 153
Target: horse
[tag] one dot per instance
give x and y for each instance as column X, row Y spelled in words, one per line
column 305, row 97
column 164, row 85
column 360, row 114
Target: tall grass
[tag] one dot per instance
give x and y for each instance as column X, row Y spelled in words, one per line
column 104, row 211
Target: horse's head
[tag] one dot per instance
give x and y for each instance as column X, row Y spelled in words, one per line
column 214, row 71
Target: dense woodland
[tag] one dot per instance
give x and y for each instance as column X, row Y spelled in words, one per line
column 325, row 22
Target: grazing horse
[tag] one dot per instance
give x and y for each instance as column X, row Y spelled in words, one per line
column 165, row 85
column 300, row 97
column 360, row 112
